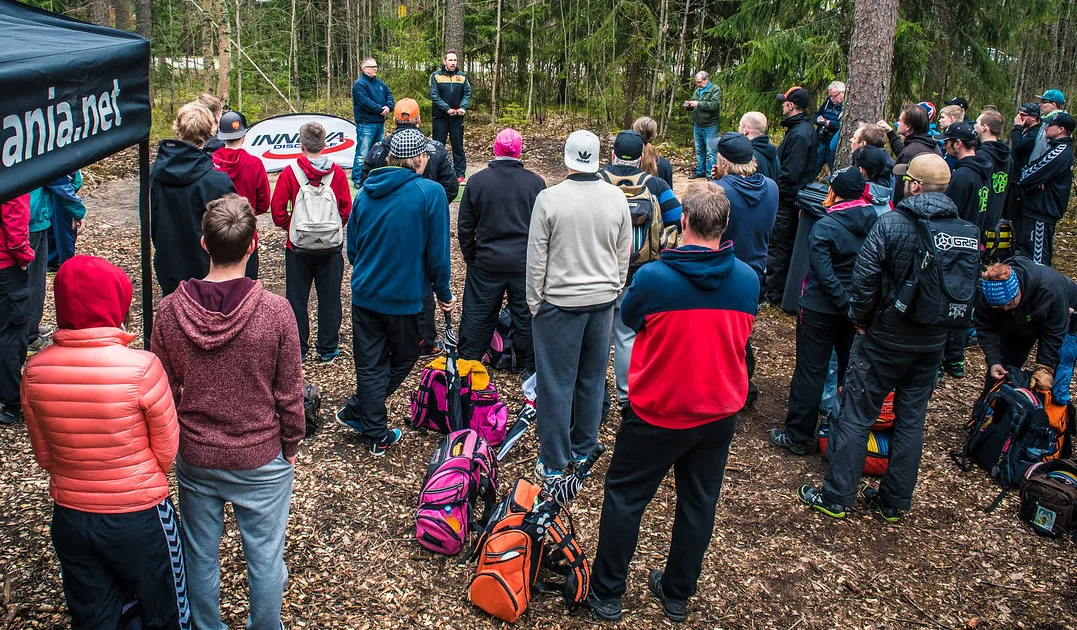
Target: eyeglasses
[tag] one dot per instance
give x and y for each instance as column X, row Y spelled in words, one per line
column 913, row 179
column 371, row 66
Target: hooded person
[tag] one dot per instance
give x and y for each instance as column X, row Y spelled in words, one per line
column 877, row 168
column 102, row 424
column 753, row 200
column 398, row 246
column 247, row 172
column 969, row 185
column 1046, row 184
column 824, row 324
column 231, row 352
column 754, row 126
column 182, row 182
column 990, row 126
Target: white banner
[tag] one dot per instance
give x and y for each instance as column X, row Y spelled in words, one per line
column 275, row 140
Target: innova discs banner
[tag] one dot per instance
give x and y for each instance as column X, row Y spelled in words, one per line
column 275, row 140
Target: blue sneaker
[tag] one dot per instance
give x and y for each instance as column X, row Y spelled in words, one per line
column 378, row 449
column 329, row 357
column 577, row 461
column 544, row 472
column 344, row 416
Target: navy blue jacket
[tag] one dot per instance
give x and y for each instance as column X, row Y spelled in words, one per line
column 831, row 113
column 449, row 90
column 398, row 242
column 833, row 245
column 766, row 157
column 753, row 203
column 368, row 97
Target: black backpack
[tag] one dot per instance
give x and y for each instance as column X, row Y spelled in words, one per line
column 1008, row 433
column 501, row 355
column 941, row 286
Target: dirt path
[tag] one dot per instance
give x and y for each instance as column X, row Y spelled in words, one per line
column 772, row 564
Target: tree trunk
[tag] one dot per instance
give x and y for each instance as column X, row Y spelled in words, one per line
column 871, row 57
column 144, row 17
column 531, row 62
column 122, row 10
column 454, row 25
column 224, row 53
column 660, row 57
column 209, row 12
column 97, row 12
column 681, row 64
column 328, row 54
column 497, row 65
column 631, row 86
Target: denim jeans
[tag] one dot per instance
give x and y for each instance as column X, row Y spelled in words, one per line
column 824, row 154
column 705, row 156
column 260, row 499
column 366, row 134
column 1067, row 355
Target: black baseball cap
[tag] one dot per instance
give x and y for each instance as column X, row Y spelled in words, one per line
column 959, row 101
column 1031, row 109
column 628, row 145
column 874, row 160
column 964, row 131
column 1064, row 120
column 735, row 147
column 233, row 126
column 796, row 95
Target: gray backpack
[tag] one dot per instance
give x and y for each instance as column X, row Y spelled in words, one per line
column 316, row 225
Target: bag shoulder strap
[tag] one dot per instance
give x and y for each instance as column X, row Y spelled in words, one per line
column 300, row 176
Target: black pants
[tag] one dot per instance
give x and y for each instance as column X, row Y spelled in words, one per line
column 818, row 334
column 874, row 371
column 252, row 266
column 1036, row 240
column 326, row 271
column 15, row 309
column 955, row 346
column 749, row 362
column 453, row 127
column 1015, row 352
column 385, row 348
column 106, row 557
column 38, row 269
column 483, row 292
column 780, row 250
column 642, row 456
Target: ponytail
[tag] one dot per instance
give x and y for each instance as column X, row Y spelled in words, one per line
column 647, row 128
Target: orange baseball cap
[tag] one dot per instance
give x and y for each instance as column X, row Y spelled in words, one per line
column 406, row 111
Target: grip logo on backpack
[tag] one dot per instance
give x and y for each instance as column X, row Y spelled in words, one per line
column 941, row 285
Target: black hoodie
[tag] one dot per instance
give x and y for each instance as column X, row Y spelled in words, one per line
column 1046, row 183
column 833, row 245
column 905, row 149
column 998, row 184
column 969, row 186
column 182, row 182
column 766, row 157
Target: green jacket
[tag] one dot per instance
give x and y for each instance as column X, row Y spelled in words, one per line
column 710, row 103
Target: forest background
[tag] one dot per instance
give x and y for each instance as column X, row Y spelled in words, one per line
column 599, row 62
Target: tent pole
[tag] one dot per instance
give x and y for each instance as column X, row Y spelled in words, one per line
column 144, row 228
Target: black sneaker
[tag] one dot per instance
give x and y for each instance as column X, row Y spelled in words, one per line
column 696, row 176
column 672, row 608
column 875, row 502
column 430, row 351
column 378, row 449
column 604, row 609
column 813, row 497
column 10, row 415
column 780, row 437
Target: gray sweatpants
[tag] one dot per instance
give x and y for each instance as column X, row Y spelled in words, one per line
column 572, row 352
column 623, row 340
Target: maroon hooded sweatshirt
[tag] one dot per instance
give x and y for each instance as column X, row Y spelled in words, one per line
column 231, row 352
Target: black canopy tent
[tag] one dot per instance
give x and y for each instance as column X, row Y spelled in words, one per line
column 72, row 93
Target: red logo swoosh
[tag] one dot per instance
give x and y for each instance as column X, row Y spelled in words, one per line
column 273, row 155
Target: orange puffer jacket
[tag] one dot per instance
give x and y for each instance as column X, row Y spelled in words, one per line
column 101, row 420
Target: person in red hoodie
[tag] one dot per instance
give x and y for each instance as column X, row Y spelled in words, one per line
column 685, row 421
column 323, row 267
column 231, row 352
column 103, row 425
column 247, row 172
column 15, row 257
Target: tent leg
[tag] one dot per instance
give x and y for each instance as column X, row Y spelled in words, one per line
column 144, row 227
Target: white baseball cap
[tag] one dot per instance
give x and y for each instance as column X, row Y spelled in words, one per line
column 581, row 151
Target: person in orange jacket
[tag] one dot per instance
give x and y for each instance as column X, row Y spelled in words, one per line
column 103, row 424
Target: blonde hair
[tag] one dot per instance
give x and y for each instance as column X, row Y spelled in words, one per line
column 194, row 124
column 213, row 104
column 647, row 128
column 953, row 111
column 731, row 168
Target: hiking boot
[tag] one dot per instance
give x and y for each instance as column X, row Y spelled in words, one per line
column 377, row 449
column 956, row 369
column 328, row 357
column 877, row 505
column 44, row 330
column 696, row 176
column 430, row 351
column 347, row 418
column 9, row 415
column 544, row 472
column 813, row 497
column 604, row 609
column 672, row 608
column 780, row 437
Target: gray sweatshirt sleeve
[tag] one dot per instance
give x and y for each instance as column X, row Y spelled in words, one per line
column 624, row 241
column 538, row 240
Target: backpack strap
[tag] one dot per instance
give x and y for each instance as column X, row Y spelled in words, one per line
column 300, row 176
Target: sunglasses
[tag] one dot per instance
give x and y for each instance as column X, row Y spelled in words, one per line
column 909, row 178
